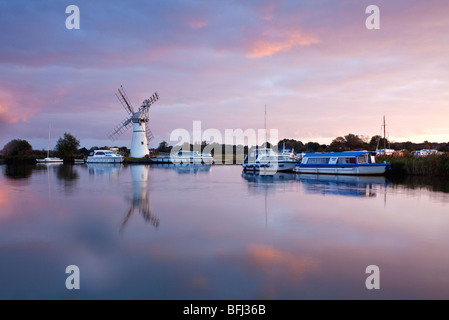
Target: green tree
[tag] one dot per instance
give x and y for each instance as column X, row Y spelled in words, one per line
column 297, row 146
column 163, row 147
column 312, row 146
column 16, row 147
column 67, row 146
column 378, row 142
column 353, row 141
column 338, row 144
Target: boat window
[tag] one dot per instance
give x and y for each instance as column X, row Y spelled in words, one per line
column 318, row 161
column 346, row 160
column 362, row 159
column 91, row 154
column 100, row 153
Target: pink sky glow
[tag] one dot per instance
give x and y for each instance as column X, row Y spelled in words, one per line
column 319, row 70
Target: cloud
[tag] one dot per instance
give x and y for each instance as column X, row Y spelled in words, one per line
column 198, row 24
column 272, row 42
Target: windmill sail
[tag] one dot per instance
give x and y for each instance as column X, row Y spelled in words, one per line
column 139, row 120
column 120, row 129
column 123, row 98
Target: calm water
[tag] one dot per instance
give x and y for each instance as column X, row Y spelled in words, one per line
column 164, row 232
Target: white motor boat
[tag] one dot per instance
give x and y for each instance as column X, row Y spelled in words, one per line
column 104, row 156
column 266, row 160
column 185, row 157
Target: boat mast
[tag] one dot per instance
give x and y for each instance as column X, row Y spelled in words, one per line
column 266, row 141
column 48, row 149
column 385, row 141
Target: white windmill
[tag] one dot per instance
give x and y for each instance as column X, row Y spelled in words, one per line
column 139, row 120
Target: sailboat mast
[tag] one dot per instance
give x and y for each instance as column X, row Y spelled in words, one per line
column 385, row 141
column 266, row 141
column 48, row 149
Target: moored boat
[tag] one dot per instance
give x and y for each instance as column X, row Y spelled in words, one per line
column 349, row 162
column 50, row 160
column 185, row 157
column 266, row 160
column 104, row 156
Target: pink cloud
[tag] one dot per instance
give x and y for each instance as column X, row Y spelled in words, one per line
column 272, row 42
column 197, row 24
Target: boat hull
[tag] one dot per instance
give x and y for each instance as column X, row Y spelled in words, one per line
column 50, row 160
column 175, row 160
column 104, row 160
column 369, row 169
column 272, row 167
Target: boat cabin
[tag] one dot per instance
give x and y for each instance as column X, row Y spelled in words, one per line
column 335, row 158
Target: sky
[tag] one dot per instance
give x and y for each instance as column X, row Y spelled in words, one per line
column 320, row 72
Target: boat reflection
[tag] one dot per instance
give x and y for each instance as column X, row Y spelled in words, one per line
column 278, row 177
column 140, row 200
column 186, row 168
column 354, row 186
column 107, row 169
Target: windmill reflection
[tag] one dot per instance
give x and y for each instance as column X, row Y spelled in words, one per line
column 140, row 199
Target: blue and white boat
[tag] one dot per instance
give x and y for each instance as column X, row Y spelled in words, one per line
column 349, row 162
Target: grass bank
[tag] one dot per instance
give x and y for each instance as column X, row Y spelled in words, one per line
column 432, row 165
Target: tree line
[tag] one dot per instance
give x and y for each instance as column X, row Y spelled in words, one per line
column 342, row 143
column 67, row 147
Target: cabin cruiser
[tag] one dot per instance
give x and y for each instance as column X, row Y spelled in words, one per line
column 104, row 156
column 185, row 157
column 266, row 160
column 349, row 162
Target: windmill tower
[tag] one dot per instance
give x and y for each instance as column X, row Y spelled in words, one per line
column 139, row 121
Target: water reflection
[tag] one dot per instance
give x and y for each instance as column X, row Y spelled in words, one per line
column 17, row 171
column 315, row 247
column 354, row 186
column 187, row 168
column 261, row 182
column 104, row 169
column 140, row 200
column 440, row 184
column 67, row 175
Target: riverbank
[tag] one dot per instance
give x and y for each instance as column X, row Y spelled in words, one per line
column 432, row 165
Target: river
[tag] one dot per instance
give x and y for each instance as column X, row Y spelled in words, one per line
column 165, row 232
